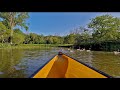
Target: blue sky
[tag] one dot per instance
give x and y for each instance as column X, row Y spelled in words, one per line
column 49, row 23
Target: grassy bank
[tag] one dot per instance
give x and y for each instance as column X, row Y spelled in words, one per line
column 31, row 46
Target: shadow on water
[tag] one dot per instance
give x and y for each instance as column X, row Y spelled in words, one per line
column 18, row 63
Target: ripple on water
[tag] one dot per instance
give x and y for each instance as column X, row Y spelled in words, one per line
column 18, row 68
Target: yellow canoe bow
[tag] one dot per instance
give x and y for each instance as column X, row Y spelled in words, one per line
column 64, row 66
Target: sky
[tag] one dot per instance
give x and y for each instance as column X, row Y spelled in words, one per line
column 51, row 23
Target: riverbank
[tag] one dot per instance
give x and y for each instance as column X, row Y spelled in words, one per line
column 30, row 46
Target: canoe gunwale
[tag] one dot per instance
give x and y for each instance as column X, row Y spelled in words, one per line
column 99, row 71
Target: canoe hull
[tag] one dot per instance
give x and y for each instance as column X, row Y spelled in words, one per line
column 63, row 66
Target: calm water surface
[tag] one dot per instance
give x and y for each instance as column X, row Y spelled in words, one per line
column 18, row 63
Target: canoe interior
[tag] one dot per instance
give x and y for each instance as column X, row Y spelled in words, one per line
column 62, row 66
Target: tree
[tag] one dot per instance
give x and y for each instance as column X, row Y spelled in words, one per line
column 27, row 39
column 17, row 30
column 49, row 39
column 34, row 38
column 41, row 39
column 13, row 19
column 18, row 38
column 105, row 27
column 69, row 39
column 4, row 33
column 60, row 40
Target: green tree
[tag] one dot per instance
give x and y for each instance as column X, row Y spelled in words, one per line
column 55, row 40
column 33, row 38
column 60, row 40
column 18, row 38
column 69, row 39
column 13, row 19
column 41, row 39
column 17, row 30
column 49, row 39
column 4, row 33
column 105, row 27
column 27, row 39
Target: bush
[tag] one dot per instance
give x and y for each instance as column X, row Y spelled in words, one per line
column 18, row 38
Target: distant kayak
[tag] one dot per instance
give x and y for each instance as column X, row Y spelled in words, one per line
column 64, row 66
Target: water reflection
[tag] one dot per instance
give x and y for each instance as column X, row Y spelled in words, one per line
column 9, row 58
column 22, row 63
column 107, row 62
column 18, row 63
column 84, row 56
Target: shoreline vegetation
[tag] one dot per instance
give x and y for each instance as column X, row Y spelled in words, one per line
column 33, row 46
column 102, row 33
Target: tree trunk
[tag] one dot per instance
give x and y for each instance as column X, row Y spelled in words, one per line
column 11, row 25
column 11, row 37
column 2, row 40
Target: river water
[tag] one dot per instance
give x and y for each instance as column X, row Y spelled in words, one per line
column 19, row 63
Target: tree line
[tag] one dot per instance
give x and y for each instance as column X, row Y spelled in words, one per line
column 101, row 33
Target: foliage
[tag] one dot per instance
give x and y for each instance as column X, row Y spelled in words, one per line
column 105, row 27
column 105, row 33
column 18, row 38
column 69, row 39
column 4, row 33
column 17, row 30
column 13, row 19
